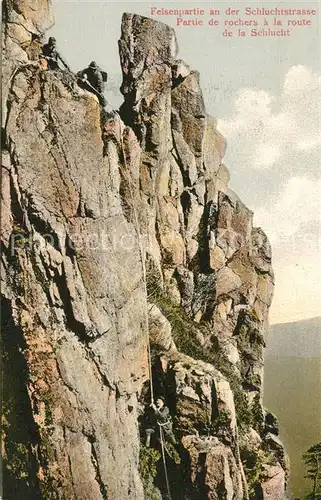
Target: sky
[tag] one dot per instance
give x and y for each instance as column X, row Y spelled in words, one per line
column 265, row 93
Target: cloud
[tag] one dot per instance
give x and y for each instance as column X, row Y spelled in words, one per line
column 293, row 225
column 269, row 128
column 294, row 228
column 296, row 212
column 274, row 153
column 297, row 290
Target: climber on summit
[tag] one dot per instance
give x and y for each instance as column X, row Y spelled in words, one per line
column 161, row 413
column 93, row 79
column 51, row 54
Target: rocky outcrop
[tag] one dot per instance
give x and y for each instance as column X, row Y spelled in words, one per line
column 213, row 267
column 72, row 276
column 119, row 231
column 213, row 465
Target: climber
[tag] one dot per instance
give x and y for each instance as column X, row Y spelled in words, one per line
column 93, row 79
column 161, row 413
column 49, row 50
column 212, row 217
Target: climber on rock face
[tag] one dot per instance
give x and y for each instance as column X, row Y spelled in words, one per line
column 52, row 55
column 163, row 418
column 93, row 79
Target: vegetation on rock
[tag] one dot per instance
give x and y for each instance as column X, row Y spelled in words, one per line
column 312, row 460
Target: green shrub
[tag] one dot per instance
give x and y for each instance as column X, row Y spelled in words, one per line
column 253, row 461
column 257, row 414
column 148, row 459
column 253, row 468
column 221, row 421
column 243, row 412
column 253, row 315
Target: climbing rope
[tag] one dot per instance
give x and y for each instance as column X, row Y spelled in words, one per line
column 142, row 256
column 161, row 434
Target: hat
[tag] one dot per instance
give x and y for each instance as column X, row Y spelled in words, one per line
column 52, row 39
column 93, row 64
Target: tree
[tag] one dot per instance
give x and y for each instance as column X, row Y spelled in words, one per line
column 312, row 460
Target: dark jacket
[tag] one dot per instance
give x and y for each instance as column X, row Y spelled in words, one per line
column 163, row 418
column 51, row 53
column 94, row 77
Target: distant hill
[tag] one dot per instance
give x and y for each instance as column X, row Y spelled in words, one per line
column 301, row 339
column 292, row 381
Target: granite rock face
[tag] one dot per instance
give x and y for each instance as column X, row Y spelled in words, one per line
column 117, row 229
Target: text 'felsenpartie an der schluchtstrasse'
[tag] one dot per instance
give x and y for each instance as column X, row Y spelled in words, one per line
column 242, row 22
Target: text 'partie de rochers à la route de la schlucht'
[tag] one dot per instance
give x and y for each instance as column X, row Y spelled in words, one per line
column 242, row 22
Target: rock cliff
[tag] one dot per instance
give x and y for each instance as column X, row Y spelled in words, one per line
column 119, row 230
